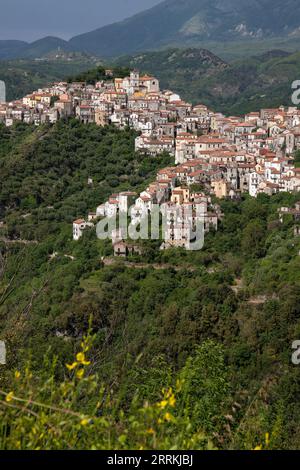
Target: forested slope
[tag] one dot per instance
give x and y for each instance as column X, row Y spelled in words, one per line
column 216, row 326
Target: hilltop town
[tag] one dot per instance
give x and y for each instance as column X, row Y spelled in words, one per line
column 214, row 155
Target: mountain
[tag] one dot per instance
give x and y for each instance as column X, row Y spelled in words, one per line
column 20, row 49
column 233, row 88
column 45, row 46
column 191, row 21
column 11, row 49
column 230, row 28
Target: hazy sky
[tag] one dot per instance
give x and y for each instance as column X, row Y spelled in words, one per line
column 32, row 19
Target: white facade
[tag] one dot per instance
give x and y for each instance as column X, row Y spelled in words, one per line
column 78, row 227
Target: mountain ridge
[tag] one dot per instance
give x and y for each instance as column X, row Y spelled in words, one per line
column 185, row 20
column 24, row 50
column 185, row 23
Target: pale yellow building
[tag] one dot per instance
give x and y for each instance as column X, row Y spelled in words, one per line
column 221, row 188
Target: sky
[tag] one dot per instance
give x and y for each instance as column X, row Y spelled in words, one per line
column 29, row 20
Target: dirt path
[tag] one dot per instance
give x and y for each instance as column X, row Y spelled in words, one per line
column 23, row 242
column 261, row 299
column 128, row 264
column 238, row 286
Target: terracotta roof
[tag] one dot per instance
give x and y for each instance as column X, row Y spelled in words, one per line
column 79, row 221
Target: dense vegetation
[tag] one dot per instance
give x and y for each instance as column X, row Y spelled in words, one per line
column 94, row 75
column 186, row 350
column 46, row 173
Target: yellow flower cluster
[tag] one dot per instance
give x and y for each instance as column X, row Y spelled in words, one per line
column 169, row 399
column 79, row 365
column 84, row 422
column 80, row 361
column 168, row 417
column 9, row 397
column 267, row 443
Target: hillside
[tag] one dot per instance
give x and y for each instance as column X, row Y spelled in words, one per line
column 12, row 49
column 188, row 22
column 183, row 61
column 215, row 325
column 232, row 88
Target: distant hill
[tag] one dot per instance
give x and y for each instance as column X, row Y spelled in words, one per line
column 12, row 49
column 241, row 86
column 190, row 22
column 24, row 50
column 45, row 46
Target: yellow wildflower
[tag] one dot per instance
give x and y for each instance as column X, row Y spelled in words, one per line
column 84, row 346
column 84, row 422
column 168, row 417
column 80, row 373
column 17, row 374
column 162, row 404
column 81, row 358
column 72, row 366
column 9, row 396
column 150, row 431
column 258, row 447
column 172, row 400
column 267, row 439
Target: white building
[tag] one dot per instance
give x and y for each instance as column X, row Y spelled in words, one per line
column 78, row 227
